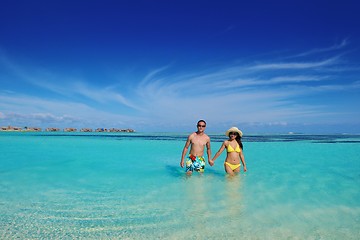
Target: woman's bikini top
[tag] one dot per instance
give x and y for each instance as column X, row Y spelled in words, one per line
column 230, row 148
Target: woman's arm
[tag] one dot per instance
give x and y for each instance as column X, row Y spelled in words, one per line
column 218, row 153
column 242, row 158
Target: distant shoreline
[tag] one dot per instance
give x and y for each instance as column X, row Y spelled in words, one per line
column 51, row 129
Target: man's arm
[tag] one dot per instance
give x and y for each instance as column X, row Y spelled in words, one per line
column 186, row 147
column 208, row 151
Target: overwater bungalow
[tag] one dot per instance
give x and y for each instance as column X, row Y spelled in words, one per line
column 86, row 130
column 101, row 130
column 118, row 130
column 53, row 129
column 32, row 129
column 127, row 130
column 114, row 130
column 70, row 129
column 10, row 128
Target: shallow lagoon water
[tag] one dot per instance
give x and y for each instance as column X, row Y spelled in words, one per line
column 130, row 186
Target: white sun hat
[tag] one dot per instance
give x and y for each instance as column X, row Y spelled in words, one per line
column 234, row 129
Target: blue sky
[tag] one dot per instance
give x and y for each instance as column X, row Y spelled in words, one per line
column 264, row 66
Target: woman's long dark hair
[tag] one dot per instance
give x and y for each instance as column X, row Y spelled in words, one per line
column 238, row 139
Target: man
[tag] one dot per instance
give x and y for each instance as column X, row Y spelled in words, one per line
column 197, row 142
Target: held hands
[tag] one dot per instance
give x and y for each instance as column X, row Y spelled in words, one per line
column 211, row 162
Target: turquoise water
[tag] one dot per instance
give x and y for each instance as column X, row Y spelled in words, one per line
column 130, row 186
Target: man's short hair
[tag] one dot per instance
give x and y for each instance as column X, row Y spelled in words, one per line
column 201, row 120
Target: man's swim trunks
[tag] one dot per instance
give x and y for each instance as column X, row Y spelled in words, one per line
column 194, row 163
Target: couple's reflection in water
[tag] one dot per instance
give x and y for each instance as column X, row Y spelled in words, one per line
column 214, row 198
column 211, row 197
column 233, row 194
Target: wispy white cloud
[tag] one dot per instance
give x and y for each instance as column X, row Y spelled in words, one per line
column 66, row 86
column 246, row 83
column 102, row 95
column 229, row 78
column 296, row 65
column 153, row 73
column 334, row 47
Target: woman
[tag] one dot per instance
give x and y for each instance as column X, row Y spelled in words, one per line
column 234, row 149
